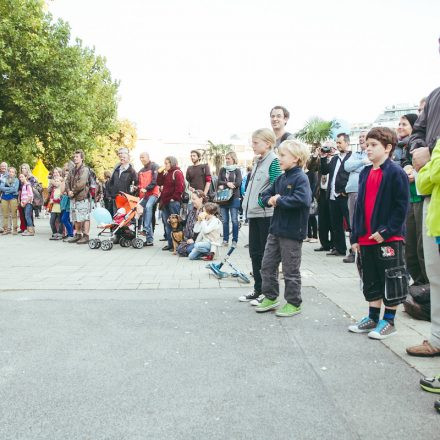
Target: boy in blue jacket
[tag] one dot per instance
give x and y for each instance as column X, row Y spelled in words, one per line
column 291, row 197
column 378, row 233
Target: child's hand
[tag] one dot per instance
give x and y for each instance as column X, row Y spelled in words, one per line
column 376, row 236
column 273, row 200
column 355, row 247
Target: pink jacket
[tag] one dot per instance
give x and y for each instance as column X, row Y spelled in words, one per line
column 26, row 196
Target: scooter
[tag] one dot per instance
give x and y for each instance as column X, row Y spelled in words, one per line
column 219, row 274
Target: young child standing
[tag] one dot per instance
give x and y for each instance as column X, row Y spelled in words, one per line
column 378, row 234
column 55, row 213
column 290, row 196
column 26, row 198
column 208, row 228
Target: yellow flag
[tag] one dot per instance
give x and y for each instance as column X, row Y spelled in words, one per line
column 41, row 173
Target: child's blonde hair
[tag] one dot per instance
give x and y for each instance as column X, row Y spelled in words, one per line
column 297, row 149
column 265, row 135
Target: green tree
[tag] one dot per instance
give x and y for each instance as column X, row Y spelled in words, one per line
column 104, row 156
column 316, row 131
column 216, row 154
column 55, row 96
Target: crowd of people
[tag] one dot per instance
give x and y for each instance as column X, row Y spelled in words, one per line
column 384, row 197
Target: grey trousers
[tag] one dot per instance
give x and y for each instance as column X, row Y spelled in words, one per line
column 415, row 260
column 352, row 197
column 432, row 263
column 288, row 252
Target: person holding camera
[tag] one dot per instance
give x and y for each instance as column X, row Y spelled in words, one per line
column 336, row 195
column 324, row 225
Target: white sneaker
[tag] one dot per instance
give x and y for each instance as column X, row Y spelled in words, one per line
column 249, row 297
column 257, row 301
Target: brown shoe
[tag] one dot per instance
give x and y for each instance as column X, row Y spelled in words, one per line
column 83, row 240
column 423, row 350
column 74, row 239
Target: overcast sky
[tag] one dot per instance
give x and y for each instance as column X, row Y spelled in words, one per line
column 215, row 68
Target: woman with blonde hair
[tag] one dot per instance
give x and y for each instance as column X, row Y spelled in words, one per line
column 264, row 172
column 230, row 177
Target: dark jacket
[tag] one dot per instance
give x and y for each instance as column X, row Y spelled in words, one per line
column 173, row 184
column 401, row 154
column 427, row 127
column 121, row 183
column 313, row 180
column 291, row 212
column 342, row 176
column 391, row 206
column 234, row 177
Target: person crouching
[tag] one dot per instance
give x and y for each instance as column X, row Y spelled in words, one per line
column 291, row 197
column 208, row 228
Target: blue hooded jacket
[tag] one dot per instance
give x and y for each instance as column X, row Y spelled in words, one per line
column 291, row 212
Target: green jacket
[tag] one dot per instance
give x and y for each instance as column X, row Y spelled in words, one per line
column 428, row 183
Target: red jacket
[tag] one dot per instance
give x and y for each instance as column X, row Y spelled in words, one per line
column 173, row 184
column 147, row 178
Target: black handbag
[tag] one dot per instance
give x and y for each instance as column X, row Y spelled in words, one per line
column 223, row 196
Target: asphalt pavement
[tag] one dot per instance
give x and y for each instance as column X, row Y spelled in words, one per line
column 197, row 364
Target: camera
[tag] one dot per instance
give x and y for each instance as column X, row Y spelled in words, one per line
column 326, row 149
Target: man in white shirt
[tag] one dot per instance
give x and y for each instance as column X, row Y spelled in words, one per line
column 338, row 200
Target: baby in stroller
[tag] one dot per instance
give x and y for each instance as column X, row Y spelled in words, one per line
column 123, row 227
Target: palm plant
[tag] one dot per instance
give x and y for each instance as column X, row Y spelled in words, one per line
column 216, row 154
column 316, row 131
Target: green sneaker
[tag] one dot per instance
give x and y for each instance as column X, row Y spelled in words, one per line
column 288, row 310
column 267, row 304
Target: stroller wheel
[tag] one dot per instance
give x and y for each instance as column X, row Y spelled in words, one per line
column 125, row 242
column 137, row 243
column 98, row 243
column 106, row 245
column 92, row 243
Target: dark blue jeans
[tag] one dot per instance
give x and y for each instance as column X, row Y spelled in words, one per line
column 167, row 210
column 65, row 219
column 230, row 211
column 28, row 215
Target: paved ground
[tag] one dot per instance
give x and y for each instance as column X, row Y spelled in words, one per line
column 144, row 344
column 196, row 364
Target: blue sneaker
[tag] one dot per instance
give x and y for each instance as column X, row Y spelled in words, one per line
column 383, row 330
column 365, row 325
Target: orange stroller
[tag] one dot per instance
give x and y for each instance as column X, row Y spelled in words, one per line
column 122, row 227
